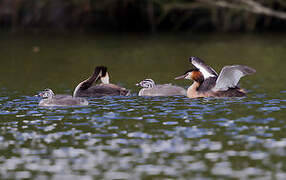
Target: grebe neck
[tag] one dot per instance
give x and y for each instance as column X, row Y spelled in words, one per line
column 192, row 91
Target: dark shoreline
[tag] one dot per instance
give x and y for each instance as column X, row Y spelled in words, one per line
column 134, row 16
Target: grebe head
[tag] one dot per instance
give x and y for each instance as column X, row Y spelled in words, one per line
column 192, row 74
column 146, row 83
column 101, row 72
column 46, row 93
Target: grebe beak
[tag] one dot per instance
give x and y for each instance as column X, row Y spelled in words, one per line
column 181, row 77
column 137, row 84
column 39, row 95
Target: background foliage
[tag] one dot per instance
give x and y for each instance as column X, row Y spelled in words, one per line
column 143, row 15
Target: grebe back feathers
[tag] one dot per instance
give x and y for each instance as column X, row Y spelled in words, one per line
column 149, row 88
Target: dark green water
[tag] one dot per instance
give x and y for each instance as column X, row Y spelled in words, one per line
column 141, row 137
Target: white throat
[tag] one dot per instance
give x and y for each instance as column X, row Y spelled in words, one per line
column 105, row 79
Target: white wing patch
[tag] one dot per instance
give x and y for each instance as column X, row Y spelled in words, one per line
column 205, row 69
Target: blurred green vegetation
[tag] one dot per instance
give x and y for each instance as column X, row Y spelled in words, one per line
column 142, row 15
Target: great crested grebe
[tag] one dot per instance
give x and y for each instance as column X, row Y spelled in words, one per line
column 151, row 89
column 50, row 99
column 207, row 83
column 85, row 88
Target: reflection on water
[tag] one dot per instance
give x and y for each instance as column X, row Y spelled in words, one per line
column 138, row 137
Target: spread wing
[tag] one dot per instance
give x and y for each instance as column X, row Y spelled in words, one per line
column 206, row 70
column 230, row 76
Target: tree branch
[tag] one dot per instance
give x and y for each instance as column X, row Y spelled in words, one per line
column 247, row 5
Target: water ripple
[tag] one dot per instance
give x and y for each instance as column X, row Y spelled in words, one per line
column 143, row 137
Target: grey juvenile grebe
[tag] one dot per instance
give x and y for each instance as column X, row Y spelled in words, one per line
column 208, row 84
column 50, row 99
column 85, row 88
column 151, row 89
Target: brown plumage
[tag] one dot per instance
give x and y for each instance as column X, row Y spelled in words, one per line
column 208, row 84
column 196, row 75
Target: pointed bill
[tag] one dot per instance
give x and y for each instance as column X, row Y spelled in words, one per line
column 181, row 77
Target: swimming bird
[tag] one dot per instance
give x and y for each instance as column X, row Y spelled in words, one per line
column 86, row 89
column 50, row 99
column 151, row 89
column 207, row 83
